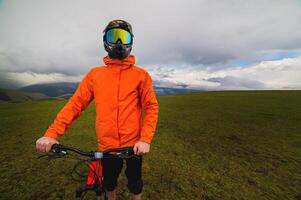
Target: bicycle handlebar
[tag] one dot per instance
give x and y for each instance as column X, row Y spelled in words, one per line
column 61, row 151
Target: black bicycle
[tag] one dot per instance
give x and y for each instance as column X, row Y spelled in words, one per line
column 94, row 181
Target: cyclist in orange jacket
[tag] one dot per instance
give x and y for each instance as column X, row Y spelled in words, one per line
column 121, row 90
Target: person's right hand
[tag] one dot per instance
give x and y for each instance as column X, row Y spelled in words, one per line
column 44, row 144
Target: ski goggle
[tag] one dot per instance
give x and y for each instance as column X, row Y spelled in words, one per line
column 115, row 34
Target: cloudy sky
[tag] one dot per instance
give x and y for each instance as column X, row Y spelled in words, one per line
column 211, row 44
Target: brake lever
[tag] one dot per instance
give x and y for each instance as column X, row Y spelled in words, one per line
column 54, row 154
column 59, row 154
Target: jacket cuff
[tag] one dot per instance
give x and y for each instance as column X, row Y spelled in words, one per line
column 145, row 139
column 51, row 134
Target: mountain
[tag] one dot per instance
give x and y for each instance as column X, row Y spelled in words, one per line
column 52, row 89
column 16, row 96
column 161, row 91
column 66, row 89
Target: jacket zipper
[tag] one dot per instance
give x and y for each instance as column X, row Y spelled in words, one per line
column 118, row 105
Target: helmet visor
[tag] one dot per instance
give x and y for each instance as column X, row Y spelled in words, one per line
column 115, row 34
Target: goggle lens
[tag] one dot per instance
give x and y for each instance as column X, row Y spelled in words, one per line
column 113, row 35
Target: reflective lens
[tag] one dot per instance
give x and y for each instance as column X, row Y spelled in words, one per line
column 115, row 34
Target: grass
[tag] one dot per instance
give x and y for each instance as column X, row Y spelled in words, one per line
column 209, row 146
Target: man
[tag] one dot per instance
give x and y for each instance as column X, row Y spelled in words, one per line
column 120, row 91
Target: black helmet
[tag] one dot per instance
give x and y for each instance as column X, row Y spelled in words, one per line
column 118, row 50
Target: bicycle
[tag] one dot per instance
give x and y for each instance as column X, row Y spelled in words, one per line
column 94, row 181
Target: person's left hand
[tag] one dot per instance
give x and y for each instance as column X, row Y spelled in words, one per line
column 141, row 148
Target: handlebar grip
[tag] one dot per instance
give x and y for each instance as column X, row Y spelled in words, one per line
column 117, row 150
column 55, row 147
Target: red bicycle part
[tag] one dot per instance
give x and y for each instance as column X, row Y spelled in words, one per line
column 95, row 173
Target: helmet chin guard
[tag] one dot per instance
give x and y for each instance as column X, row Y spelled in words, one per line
column 117, row 51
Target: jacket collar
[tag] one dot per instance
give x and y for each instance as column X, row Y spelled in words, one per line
column 122, row 64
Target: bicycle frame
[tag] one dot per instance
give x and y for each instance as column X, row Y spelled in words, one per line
column 94, row 180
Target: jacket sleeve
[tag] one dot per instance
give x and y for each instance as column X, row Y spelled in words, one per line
column 72, row 109
column 150, row 106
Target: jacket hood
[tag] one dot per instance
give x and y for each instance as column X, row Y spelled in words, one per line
column 123, row 64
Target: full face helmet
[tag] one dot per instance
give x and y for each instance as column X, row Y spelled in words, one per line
column 118, row 39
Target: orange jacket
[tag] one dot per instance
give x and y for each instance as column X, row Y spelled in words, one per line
column 120, row 91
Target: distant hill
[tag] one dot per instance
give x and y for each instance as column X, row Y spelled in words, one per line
column 161, row 91
column 64, row 96
column 66, row 89
column 52, row 89
column 16, row 96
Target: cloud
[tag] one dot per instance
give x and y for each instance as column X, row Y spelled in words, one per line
column 279, row 74
column 14, row 80
column 230, row 82
column 206, row 36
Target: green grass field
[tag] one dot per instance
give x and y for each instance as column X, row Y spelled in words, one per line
column 210, row 146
